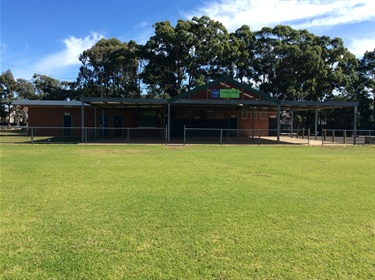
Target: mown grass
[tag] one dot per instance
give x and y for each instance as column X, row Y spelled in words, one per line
column 187, row 212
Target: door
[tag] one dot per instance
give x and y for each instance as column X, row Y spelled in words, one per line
column 67, row 122
column 103, row 122
column 272, row 127
column 232, row 124
column 117, row 125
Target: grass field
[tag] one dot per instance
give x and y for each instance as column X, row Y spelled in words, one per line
column 187, row 212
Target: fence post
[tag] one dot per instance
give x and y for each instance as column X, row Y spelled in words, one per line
column 259, row 136
column 127, row 135
column 323, row 135
column 85, row 135
column 303, row 133
column 308, row 137
column 369, row 137
column 333, row 136
column 32, row 136
column 344, row 140
column 184, row 134
column 221, row 136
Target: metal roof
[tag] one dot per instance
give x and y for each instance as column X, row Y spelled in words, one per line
column 123, row 102
column 314, row 105
column 47, row 103
column 224, row 80
column 265, row 101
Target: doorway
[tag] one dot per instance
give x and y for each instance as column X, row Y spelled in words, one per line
column 67, row 123
column 272, row 126
column 232, row 124
column 103, row 122
column 117, row 126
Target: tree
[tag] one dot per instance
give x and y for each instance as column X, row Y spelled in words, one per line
column 165, row 57
column 295, row 64
column 25, row 89
column 366, row 88
column 185, row 56
column 7, row 89
column 109, row 68
column 240, row 55
column 48, row 88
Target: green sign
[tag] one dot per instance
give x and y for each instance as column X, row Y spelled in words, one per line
column 229, row 93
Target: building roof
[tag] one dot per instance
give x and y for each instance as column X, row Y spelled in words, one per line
column 47, row 103
column 109, row 102
column 248, row 98
column 226, row 83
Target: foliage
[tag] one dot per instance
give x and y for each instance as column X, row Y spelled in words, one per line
column 26, row 90
column 7, row 90
column 191, row 212
column 48, row 88
column 183, row 57
column 109, row 69
column 297, row 65
column 366, row 88
column 283, row 62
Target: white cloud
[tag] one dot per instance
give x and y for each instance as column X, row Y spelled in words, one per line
column 297, row 13
column 68, row 56
column 359, row 47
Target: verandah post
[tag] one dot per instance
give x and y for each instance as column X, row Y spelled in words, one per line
column 355, row 126
column 184, row 134
column 278, row 124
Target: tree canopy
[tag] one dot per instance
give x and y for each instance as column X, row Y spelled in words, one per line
column 286, row 63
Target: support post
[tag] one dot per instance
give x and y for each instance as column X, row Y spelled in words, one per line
column 355, row 126
column 169, row 123
column 278, row 124
column 184, row 134
column 316, row 125
column 83, row 121
column 95, row 124
column 291, row 123
column 252, row 123
column 308, row 137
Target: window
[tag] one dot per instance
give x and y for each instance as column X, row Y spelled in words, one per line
column 263, row 115
column 215, row 115
column 184, row 114
column 244, row 115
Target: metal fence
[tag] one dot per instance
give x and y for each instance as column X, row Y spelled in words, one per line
column 245, row 136
column 347, row 136
column 145, row 135
column 75, row 135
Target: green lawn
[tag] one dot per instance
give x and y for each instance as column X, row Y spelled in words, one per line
column 187, row 212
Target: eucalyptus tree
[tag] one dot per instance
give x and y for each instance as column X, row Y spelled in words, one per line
column 166, row 55
column 240, row 55
column 296, row 64
column 7, row 90
column 208, row 55
column 366, row 88
column 48, row 88
column 185, row 56
column 25, row 89
column 109, row 69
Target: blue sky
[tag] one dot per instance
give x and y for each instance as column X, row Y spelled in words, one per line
column 47, row 36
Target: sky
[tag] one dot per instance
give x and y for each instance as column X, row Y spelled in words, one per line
column 47, row 36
